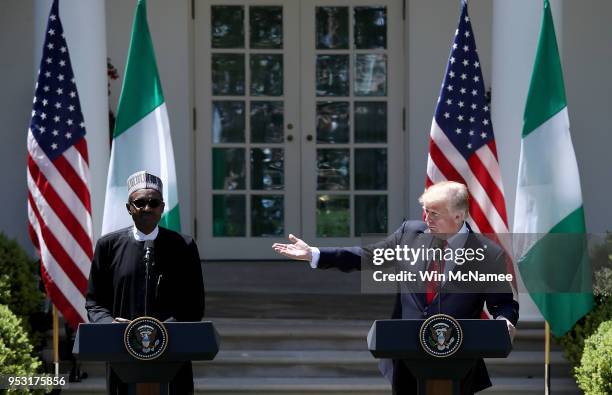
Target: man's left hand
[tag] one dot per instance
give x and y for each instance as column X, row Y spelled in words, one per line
column 511, row 328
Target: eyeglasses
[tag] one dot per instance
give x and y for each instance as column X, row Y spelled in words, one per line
column 142, row 203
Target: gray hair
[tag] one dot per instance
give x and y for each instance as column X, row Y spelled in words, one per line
column 454, row 193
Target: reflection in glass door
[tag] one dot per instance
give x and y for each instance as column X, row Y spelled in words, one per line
column 247, row 159
column 351, row 120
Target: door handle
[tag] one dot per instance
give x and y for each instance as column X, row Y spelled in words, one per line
column 309, row 137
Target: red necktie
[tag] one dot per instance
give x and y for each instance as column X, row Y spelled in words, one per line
column 431, row 288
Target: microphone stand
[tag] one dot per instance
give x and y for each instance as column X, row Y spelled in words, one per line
column 442, row 264
column 440, row 295
column 148, row 259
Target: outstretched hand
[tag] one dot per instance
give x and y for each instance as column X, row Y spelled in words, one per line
column 296, row 250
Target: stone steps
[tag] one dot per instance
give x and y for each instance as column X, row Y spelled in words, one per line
column 309, row 356
column 306, row 344
column 524, row 364
column 291, row 334
column 331, row 386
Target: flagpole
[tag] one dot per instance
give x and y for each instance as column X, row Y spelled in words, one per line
column 546, row 358
column 55, row 340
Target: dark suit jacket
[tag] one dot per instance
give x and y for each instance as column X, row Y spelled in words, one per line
column 458, row 304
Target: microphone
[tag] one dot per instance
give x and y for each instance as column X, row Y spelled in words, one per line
column 149, row 260
column 149, row 246
column 441, row 244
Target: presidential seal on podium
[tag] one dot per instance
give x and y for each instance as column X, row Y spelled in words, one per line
column 441, row 335
column 145, row 338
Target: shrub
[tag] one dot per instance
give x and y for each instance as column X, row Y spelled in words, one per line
column 19, row 288
column 573, row 341
column 15, row 348
column 603, row 283
column 594, row 375
column 18, row 279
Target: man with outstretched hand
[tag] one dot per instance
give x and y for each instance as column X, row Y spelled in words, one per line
column 445, row 209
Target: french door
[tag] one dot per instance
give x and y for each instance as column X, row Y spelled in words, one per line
column 299, row 108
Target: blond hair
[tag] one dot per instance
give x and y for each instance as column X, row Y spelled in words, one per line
column 454, row 193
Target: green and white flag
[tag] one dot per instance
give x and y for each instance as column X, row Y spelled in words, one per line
column 141, row 139
column 554, row 264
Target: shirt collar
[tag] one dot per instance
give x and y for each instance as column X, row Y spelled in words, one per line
column 458, row 239
column 139, row 236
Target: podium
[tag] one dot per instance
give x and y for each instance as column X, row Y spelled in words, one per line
column 187, row 341
column 399, row 339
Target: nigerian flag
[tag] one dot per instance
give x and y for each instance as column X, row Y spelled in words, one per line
column 554, row 264
column 141, row 139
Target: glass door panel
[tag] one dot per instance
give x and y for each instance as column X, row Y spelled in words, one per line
column 299, row 125
column 246, row 157
column 351, row 119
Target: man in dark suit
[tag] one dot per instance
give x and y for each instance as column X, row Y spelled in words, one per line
column 445, row 208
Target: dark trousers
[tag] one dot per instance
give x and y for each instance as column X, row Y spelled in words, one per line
column 404, row 383
column 181, row 384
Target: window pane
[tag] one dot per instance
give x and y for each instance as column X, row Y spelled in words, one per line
column 267, row 168
column 370, row 122
column 228, row 168
column 370, row 214
column 333, row 122
column 267, row 215
column 266, row 27
column 333, row 169
column 228, row 122
column 227, row 26
column 370, row 75
column 266, row 75
column 333, row 216
column 332, row 27
column 229, row 215
column 371, row 168
column 267, row 122
column 332, row 75
column 370, row 27
column 228, row 74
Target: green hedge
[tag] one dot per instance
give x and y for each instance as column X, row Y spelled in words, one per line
column 20, row 302
column 588, row 346
column 573, row 341
column 19, row 288
column 18, row 279
column 594, row 375
column 15, row 347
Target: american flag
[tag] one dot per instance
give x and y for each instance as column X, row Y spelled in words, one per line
column 461, row 143
column 59, row 208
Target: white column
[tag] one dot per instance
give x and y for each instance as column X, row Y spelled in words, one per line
column 516, row 28
column 84, row 24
